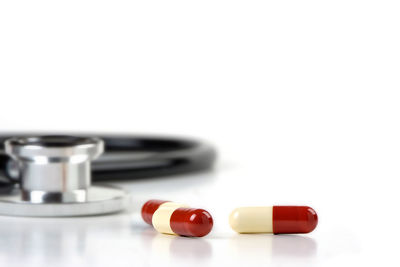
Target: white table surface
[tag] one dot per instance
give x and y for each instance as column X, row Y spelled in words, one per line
column 354, row 227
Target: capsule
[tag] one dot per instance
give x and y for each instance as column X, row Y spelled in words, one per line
column 275, row 219
column 175, row 218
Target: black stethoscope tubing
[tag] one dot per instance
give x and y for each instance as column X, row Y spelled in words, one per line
column 130, row 157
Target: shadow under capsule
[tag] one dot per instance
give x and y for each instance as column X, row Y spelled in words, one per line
column 268, row 247
column 176, row 247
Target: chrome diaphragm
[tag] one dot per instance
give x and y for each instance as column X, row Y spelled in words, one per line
column 56, row 178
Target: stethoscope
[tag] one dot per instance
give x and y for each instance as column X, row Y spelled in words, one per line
column 51, row 175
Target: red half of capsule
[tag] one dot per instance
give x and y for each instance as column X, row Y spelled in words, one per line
column 293, row 219
column 149, row 208
column 191, row 222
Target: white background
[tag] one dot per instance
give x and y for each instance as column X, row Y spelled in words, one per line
column 300, row 97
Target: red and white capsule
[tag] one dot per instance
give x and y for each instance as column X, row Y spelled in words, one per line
column 175, row 218
column 276, row 219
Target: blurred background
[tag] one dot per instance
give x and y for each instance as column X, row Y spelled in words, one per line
column 301, row 99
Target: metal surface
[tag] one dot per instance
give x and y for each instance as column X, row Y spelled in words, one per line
column 56, row 178
column 99, row 200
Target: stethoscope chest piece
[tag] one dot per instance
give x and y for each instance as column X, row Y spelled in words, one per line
column 56, row 178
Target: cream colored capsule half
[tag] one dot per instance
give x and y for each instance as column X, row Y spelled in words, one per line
column 162, row 217
column 252, row 220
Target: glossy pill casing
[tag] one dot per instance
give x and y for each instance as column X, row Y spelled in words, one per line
column 149, row 208
column 176, row 218
column 191, row 222
column 294, row 219
column 274, row 219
